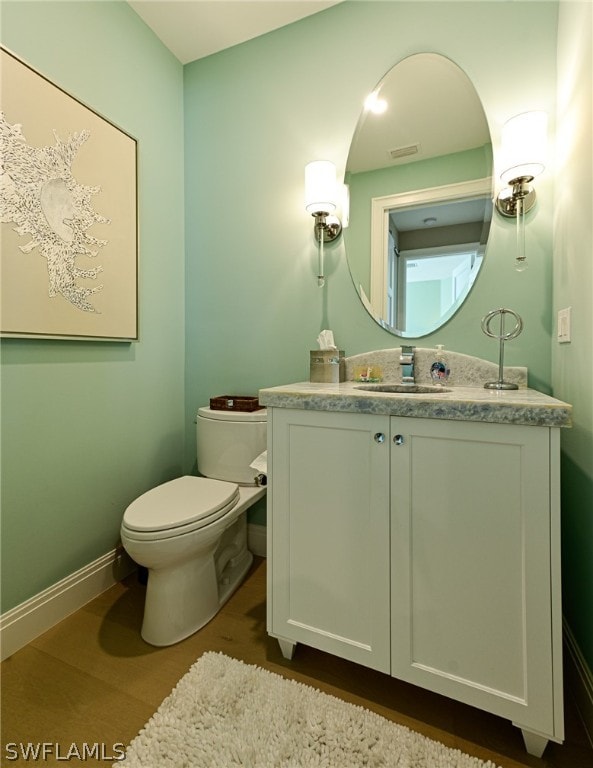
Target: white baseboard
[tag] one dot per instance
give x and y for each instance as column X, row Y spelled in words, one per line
column 256, row 539
column 30, row 619
column 579, row 680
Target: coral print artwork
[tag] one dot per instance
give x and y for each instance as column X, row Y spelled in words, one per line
column 67, row 195
column 41, row 197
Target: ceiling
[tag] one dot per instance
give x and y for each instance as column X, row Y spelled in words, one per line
column 192, row 29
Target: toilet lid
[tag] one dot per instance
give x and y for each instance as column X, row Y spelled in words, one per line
column 180, row 502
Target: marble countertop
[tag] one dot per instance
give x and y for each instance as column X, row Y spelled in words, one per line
column 461, row 403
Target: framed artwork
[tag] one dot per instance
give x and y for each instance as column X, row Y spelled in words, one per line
column 68, row 214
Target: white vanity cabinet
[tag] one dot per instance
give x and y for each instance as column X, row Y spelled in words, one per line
column 328, row 533
column 425, row 548
column 475, row 567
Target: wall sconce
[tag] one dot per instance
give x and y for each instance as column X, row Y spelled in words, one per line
column 523, row 150
column 321, row 193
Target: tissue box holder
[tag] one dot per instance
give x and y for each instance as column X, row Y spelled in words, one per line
column 234, row 403
column 327, row 366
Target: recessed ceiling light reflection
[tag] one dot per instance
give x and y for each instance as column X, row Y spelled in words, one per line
column 374, row 104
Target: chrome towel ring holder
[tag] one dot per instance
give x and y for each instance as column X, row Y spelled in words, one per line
column 502, row 336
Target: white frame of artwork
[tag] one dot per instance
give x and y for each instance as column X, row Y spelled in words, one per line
column 68, row 212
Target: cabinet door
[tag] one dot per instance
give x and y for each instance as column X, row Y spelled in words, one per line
column 471, row 565
column 328, row 533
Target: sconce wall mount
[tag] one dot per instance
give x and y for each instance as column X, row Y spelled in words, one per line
column 518, row 196
column 328, row 226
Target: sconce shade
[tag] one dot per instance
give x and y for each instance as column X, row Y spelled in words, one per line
column 320, row 187
column 523, row 146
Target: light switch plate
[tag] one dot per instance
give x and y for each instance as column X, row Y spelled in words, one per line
column 564, row 325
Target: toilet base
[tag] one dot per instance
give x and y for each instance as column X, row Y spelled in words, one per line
column 181, row 600
column 190, row 578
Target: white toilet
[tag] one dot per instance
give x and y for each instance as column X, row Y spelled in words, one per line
column 191, row 533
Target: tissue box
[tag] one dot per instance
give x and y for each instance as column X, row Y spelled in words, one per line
column 327, row 366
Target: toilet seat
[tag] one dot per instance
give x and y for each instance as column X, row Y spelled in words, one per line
column 179, row 506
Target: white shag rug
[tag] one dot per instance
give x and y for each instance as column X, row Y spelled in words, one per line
column 224, row 713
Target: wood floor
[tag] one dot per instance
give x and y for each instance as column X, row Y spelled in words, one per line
column 93, row 683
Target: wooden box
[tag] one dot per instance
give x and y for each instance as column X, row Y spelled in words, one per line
column 234, row 403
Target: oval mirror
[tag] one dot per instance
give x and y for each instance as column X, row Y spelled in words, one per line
column 420, row 177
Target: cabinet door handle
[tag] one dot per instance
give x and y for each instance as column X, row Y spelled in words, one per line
column 398, row 440
column 379, row 437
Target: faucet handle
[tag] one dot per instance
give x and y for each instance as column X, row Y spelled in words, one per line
column 406, row 356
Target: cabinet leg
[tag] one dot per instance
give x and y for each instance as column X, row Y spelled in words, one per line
column 287, row 647
column 534, row 743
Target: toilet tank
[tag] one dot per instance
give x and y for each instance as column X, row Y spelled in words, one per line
column 227, row 443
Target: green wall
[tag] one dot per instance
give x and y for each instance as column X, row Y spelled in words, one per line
column 87, row 426
column 572, row 364
column 257, row 113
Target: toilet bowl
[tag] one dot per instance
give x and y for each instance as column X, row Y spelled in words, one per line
column 191, row 533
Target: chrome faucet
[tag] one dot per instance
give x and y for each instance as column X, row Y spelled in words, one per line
column 406, row 360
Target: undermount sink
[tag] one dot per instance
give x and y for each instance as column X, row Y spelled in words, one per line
column 404, row 389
